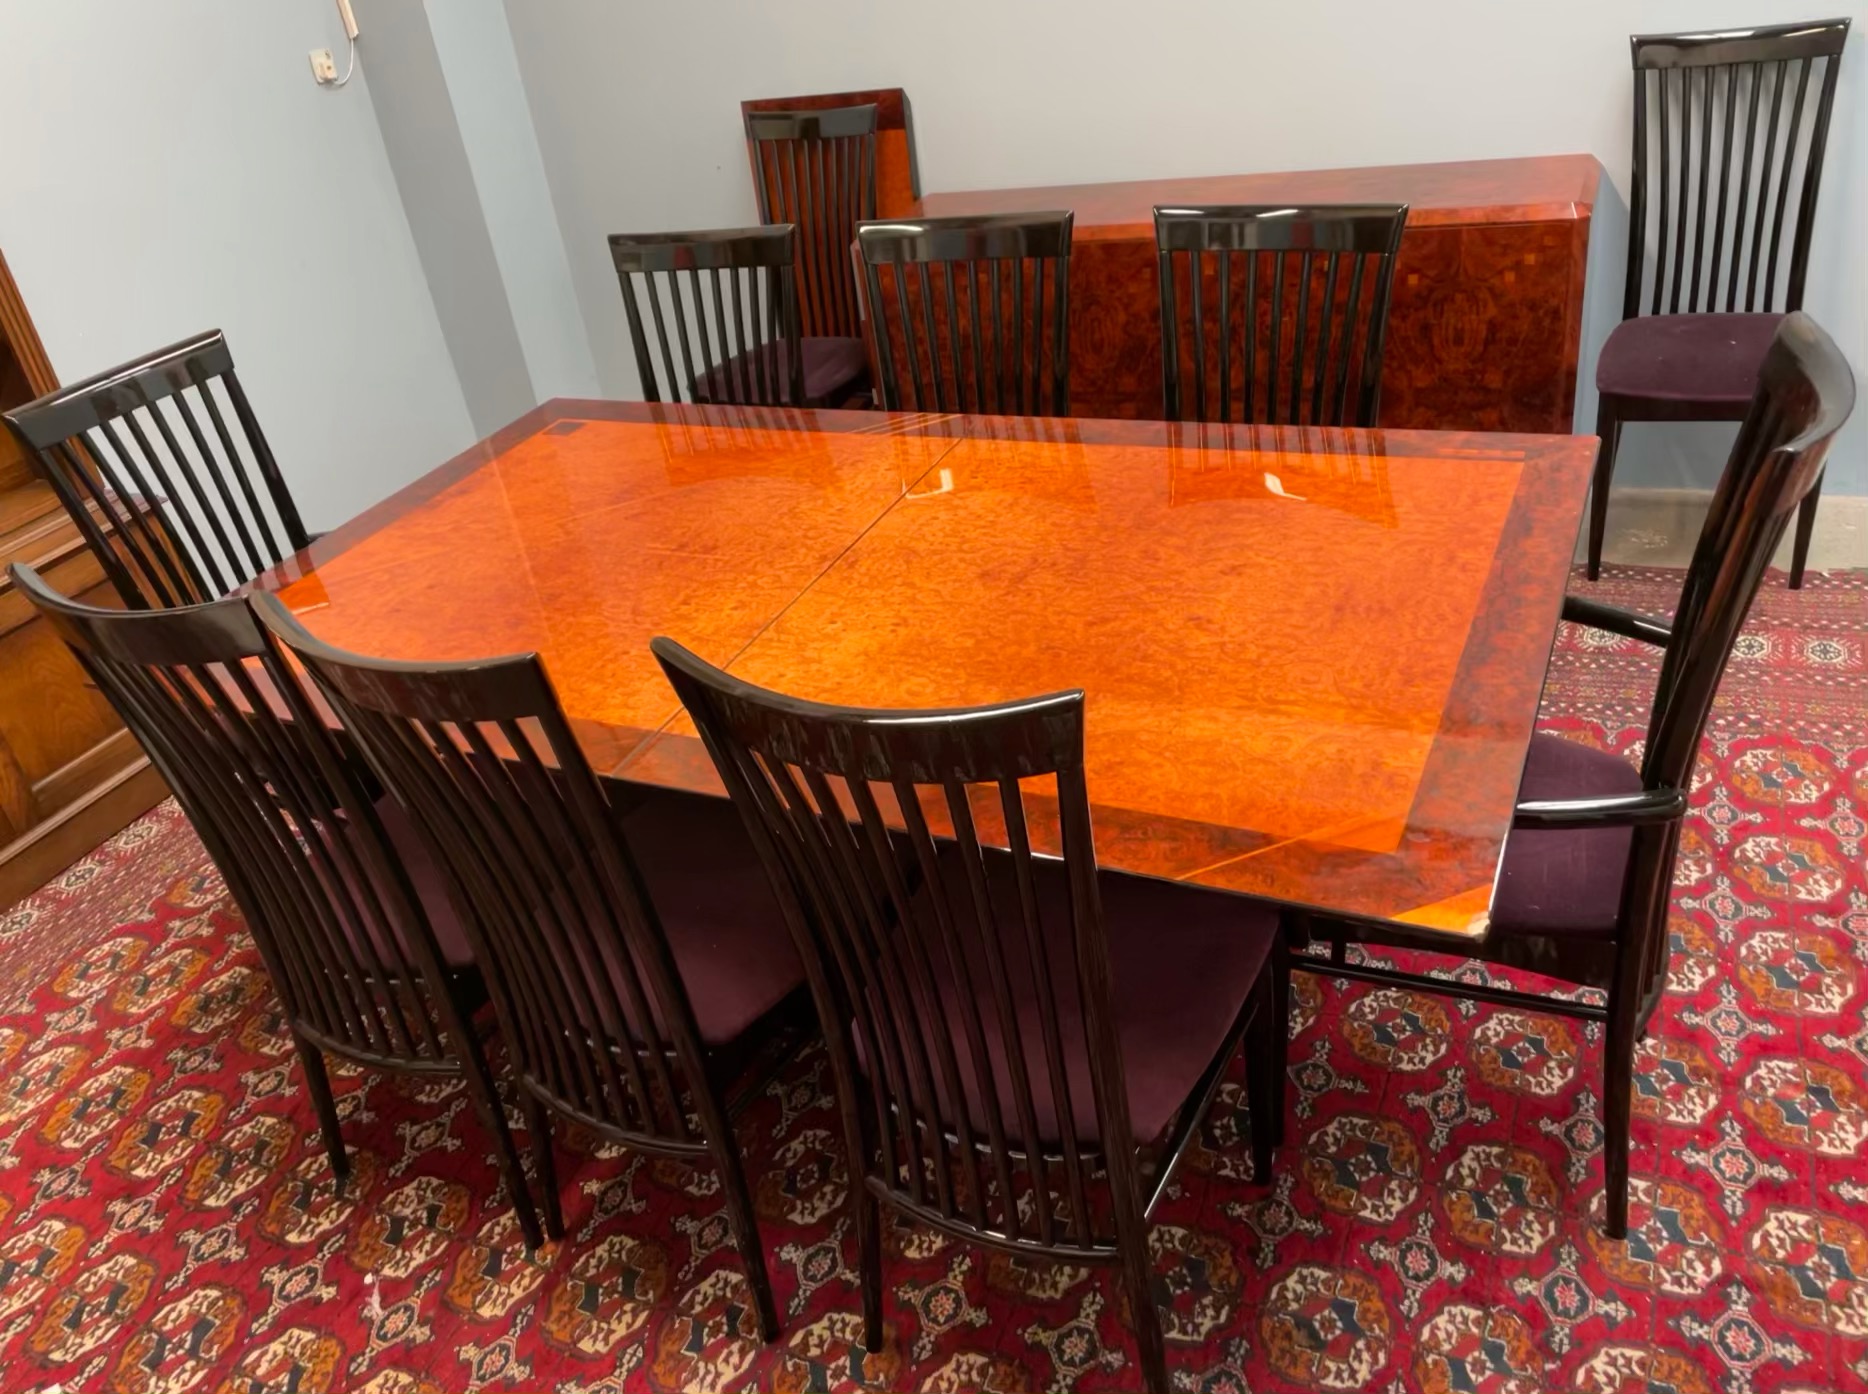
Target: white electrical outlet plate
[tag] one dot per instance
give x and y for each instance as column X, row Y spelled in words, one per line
column 323, row 66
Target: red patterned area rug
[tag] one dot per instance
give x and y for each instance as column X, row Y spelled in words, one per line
column 167, row 1221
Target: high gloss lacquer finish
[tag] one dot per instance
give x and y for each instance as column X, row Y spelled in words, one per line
column 584, row 540
column 1486, row 317
column 898, row 177
column 1312, row 657
column 1704, row 365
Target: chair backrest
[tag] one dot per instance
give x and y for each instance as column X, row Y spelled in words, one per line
column 268, row 786
column 817, row 169
column 723, row 302
column 914, row 949
column 482, row 758
column 1330, row 358
column 975, row 334
column 163, row 466
column 1729, row 129
column 1805, row 392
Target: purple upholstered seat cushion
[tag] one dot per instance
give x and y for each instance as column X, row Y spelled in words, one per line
column 716, row 907
column 428, row 881
column 832, row 367
column 1686, row 358
column 1183, row 961
column 732, row 948
column 1569, row 880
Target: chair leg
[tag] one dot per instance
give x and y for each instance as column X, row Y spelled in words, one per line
column 867, row 1218
column 318, row 1081
column 545, row 1163
column 1138, row 1282
column 1260, row 1091
column 1617, row 1108
column 1609, row 428
column 1806, row 525
column 1280, row 1035
column 739, row 1213
column 485, row 1096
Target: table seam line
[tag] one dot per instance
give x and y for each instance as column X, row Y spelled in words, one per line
column 808, row 586
column 850, row 546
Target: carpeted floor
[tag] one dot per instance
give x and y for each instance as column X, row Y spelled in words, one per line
column 167, row 1222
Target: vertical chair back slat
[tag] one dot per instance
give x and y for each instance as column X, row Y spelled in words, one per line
column 148, row 480
column 1014, row 366
column 175, row 518
column 926, row 936
column 1753, row 223
column 883, row 862
column 937, row 385
column 120, row 533
column 1682, row 222
column 575, row 956
column 922, row 310
column 1038, row 959
column 986, row 941
column 1320, row 389
column 255, row 557
column 911, row 1012
column 280, row 804
column 817, row 169
column 429, row 790
column 195, row 512
column 713, row 283
column 1333, row 340
column 1806, row 390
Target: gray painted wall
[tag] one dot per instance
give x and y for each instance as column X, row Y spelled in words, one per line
column 171, row 168
column 636, row 109
column 452, row 111
column 443, row 207
column 495, row 125
column 249, row 198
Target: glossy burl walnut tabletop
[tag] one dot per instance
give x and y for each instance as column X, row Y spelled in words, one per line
column 1312, row 658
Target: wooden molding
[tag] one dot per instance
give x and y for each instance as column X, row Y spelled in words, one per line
column 34, row 858
column 16, row 328
column 70, row 774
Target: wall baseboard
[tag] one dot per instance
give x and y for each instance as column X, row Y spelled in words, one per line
column 1659, row 527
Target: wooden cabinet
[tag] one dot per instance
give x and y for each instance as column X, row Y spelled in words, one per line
column 70, row 775
column 1485, row 323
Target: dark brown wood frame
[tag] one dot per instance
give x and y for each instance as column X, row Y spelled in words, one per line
column 859, row 888
column 1004, row 379
column 282, row 809
column 1787, row 50
column 597, row 1018
column 1806, row 391
column 1319, row 239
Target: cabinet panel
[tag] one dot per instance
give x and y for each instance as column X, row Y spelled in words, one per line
column 70, row 775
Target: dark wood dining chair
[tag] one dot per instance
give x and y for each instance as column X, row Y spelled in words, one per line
column 369, row 961
column 1583, row 886
column 723, row 306
column 162, row 465
column 1004, row 1027
column 631, row 948
column 957, row 315
column 1336, row 282
column 816, row 169
column 1730, row 127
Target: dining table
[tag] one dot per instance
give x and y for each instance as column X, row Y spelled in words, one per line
column 1312, row 657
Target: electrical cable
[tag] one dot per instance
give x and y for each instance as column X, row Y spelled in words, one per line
column 349, row 67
